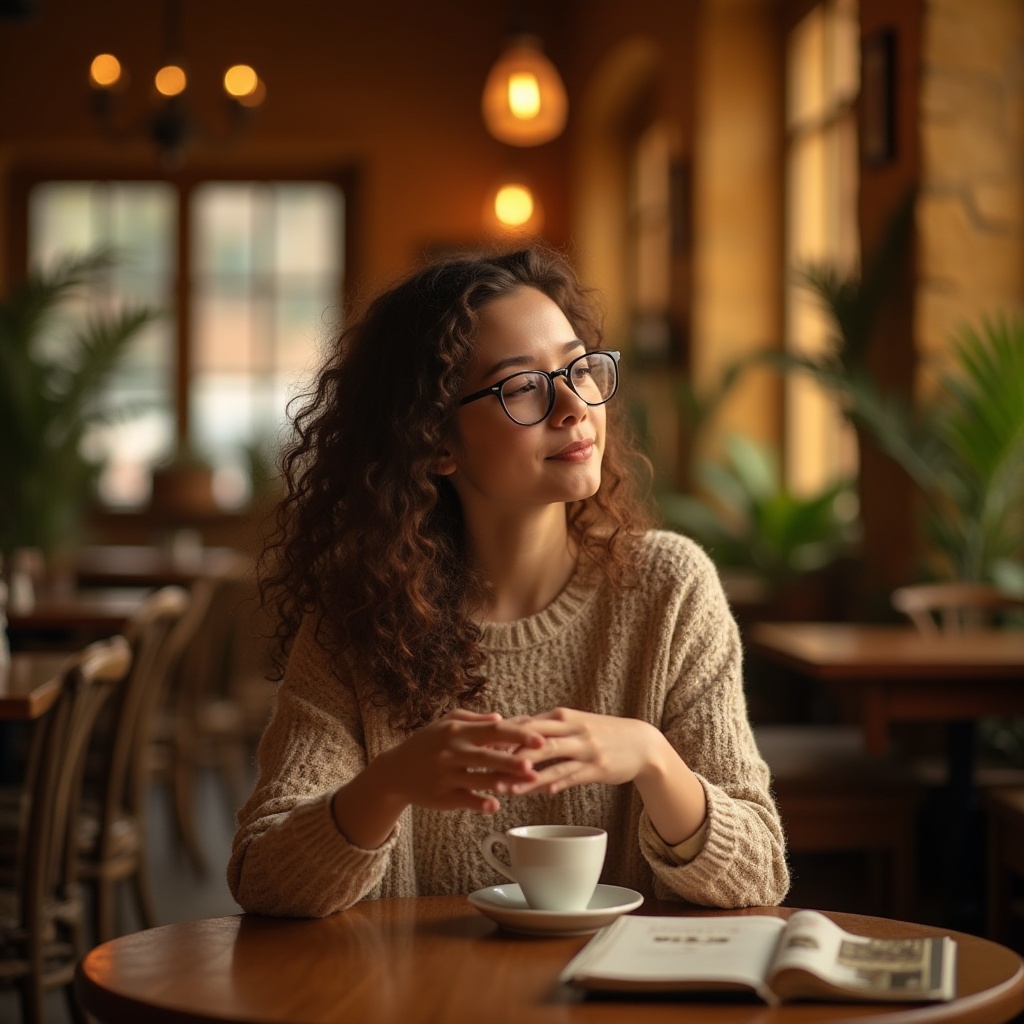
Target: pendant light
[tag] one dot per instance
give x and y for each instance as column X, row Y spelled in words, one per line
column 524, row 101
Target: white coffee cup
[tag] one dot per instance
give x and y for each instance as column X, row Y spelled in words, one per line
column 556, row 866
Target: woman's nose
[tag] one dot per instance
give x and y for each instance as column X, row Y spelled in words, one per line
column 568, row 405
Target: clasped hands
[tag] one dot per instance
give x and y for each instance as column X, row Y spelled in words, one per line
column 468, row 760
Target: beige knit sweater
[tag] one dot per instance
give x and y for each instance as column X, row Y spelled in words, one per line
column 666, row 651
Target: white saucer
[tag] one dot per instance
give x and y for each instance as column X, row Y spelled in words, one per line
column 507, row 905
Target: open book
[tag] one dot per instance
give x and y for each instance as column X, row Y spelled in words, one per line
column 804, row 957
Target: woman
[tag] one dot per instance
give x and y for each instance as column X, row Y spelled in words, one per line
column 480, row 632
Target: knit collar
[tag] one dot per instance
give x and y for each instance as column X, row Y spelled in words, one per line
column 546, row 624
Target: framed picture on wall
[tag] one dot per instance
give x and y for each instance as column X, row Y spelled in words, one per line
column 878, row 99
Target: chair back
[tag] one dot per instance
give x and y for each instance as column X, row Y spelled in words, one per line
column 50, row 906
column 122, row 770
column 954, row 607
column 206, row 665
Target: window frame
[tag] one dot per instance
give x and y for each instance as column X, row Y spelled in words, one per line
column 24, row 178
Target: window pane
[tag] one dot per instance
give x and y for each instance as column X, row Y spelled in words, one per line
column 138, row 220
column 258, row 316
column 806, row 94
column 821, row 226
column 224, row 329
column 306, row 314
column 222, row 222
column 303, row 246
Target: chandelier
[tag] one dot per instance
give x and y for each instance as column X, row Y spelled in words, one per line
column 170, row 123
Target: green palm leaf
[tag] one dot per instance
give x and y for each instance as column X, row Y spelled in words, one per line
column 51, row 390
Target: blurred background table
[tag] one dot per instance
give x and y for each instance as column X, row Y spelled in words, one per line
column 69, row 621
column 883, row 675
column 143, row 565
column 29, row 685
column 897, row 674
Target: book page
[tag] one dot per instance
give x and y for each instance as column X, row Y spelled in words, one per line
column 852, row 966
column 677, row 953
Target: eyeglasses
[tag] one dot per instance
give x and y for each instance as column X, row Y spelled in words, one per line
column 529, row 396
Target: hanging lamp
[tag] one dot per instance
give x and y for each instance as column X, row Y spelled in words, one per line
column 524, row 101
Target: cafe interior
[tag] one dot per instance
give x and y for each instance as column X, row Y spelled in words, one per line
column 805, row 221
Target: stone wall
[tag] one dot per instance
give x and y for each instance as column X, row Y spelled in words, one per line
column 971, row 208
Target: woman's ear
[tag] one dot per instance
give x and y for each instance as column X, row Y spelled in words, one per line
column 444, row 462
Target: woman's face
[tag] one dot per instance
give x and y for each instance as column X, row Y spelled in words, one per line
column 498, row 466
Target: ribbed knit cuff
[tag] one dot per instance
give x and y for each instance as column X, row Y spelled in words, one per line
column 307, row 867
column 738, row 865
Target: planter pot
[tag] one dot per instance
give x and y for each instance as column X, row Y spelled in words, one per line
column 183, row 493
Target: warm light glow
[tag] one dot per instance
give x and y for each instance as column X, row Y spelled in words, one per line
column 254, row 98
column 524, row 101
column 170, row 80
column 240, row 80
column 513, row 205
column 105, row 71
column 523, row 95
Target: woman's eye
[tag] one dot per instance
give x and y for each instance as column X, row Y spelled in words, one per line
column 516, row 389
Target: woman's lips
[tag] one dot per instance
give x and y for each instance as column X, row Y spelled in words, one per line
column 577, row 451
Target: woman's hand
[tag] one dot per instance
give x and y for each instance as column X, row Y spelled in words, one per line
column 448, row 764
column 581, row 747
column 451, row 762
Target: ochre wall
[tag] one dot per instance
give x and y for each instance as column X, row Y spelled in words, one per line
column 971, row 210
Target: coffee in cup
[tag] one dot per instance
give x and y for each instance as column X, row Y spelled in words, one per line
column 555, row 866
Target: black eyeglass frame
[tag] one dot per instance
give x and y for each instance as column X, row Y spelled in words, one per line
column 495, row 389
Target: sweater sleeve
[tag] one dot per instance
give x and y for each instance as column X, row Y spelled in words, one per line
column 288, row 857
column 742, row 861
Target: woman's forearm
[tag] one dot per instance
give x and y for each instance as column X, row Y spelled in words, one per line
column 367, row 808
column 673, row 796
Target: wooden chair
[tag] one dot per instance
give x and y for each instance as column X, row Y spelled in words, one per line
column 112, row 827
column 833, row 797
column 953, row 607
column 206, row 720
column 42, row 914
column 1004, row 810
column 957, row 607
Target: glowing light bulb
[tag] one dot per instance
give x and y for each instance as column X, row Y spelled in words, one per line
column 524, row 102
column 523, row 95
column 170, row 80
column 513, row 205
column 240, row 80
column 105, row 71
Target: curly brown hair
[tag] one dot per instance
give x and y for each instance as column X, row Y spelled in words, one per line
column 368, row 536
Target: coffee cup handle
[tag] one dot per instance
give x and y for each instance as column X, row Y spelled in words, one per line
column 487, row 849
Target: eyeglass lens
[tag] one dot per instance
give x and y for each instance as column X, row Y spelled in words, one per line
column 528, row 396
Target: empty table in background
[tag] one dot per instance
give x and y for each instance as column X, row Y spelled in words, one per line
column 141, row 565
column 70, row 621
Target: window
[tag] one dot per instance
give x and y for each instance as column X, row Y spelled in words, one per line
column 649, row 242
column 823, row 78
column 250, row 274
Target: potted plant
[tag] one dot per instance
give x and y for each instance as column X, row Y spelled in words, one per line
column 963, row 447
column 774, row 547
column 51, row 392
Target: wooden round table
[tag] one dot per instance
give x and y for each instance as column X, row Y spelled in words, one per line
column 404, row 961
